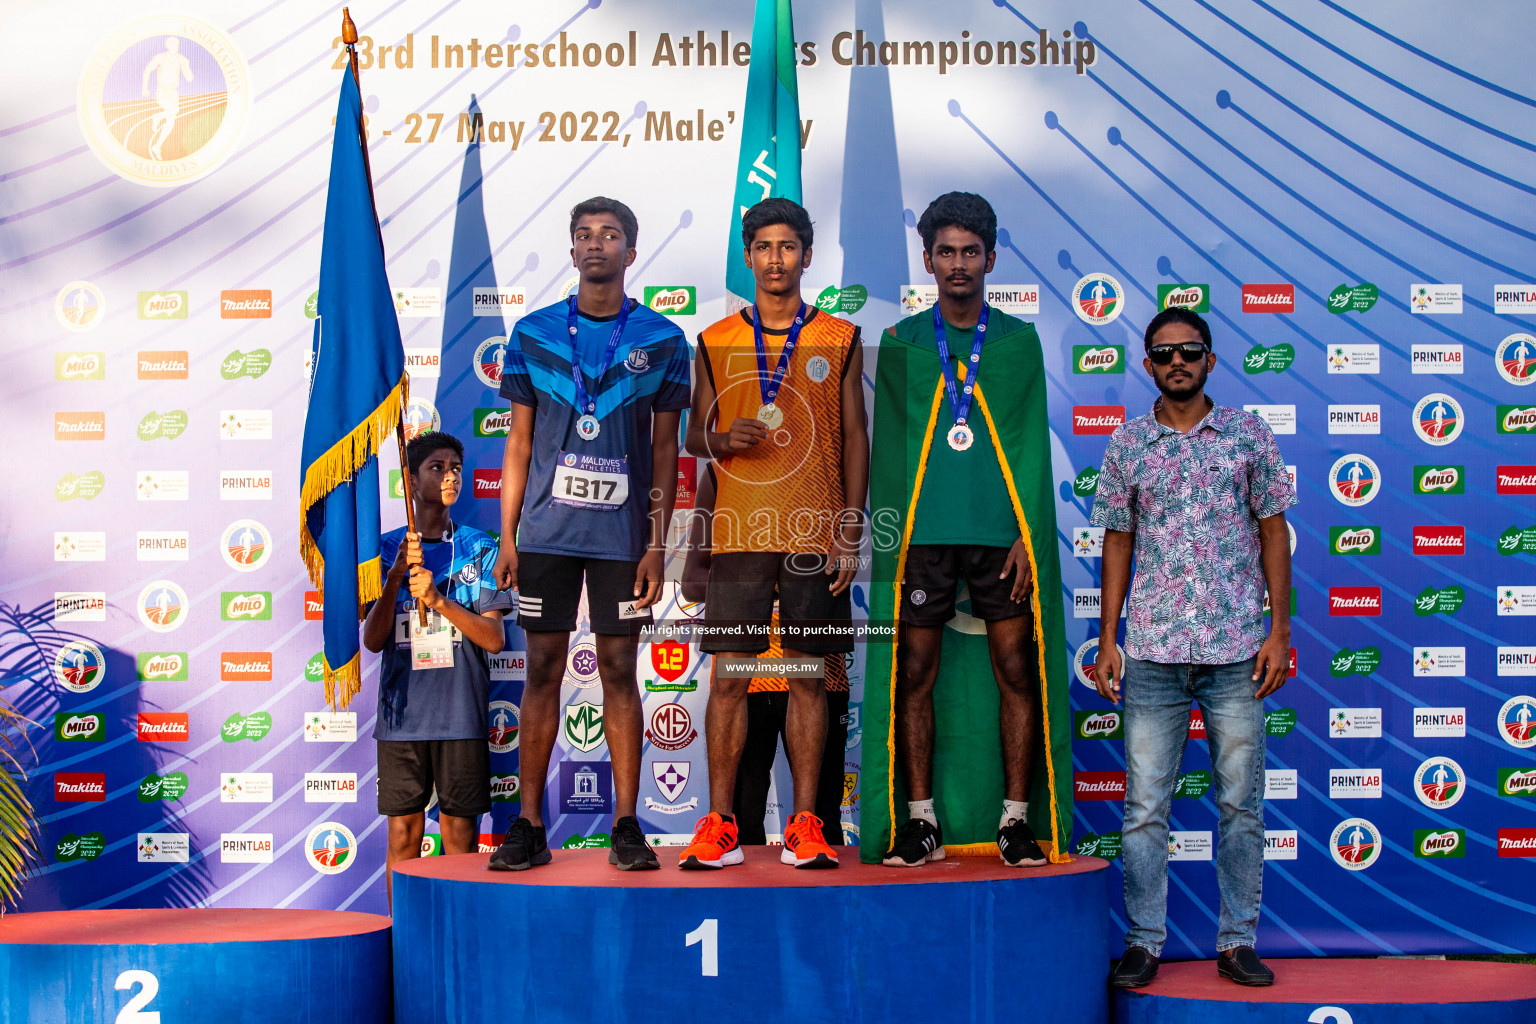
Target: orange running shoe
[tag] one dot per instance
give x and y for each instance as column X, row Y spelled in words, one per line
column 714, row 845
column 804, row 846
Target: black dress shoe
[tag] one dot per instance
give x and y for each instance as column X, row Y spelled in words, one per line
column 1137, row 968
column 1242, row 965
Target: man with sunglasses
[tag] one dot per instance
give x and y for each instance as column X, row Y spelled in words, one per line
column 1199, row 492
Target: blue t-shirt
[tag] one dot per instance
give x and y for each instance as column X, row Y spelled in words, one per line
column 440, row 703
column 571, row 505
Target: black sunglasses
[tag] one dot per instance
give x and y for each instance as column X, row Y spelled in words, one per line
column 1191, row 352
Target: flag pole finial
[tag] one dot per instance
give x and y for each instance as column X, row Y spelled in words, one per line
column 348, row 30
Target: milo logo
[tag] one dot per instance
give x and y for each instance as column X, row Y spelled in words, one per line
column 1363, row 540
column 1274, row 359
column 75, row 847
column 1517, row 419
column 84, row 486
column 1355, row 663
column 245, row 364
column 79, row 366
column 314, row 669
column 505, row 789
column 1517, row 541
column 842, row 300
column 170, row 667
column 1192, row 785
column 1279, row 722
column 1441, row 601
column 673, row 300
column 493, row 422
column 1352, row 299
column 90, row 728
column 255, row 605
column 1189, row 296
column 1428, row 842
column 1098, row 358
column 170, row 786
column 1438, row 480
column 253, row 727
column 162, row 305
column 1517, row 782
column 1099, row 725
column 168, row 425
column 1087, row 483
column 1093, row 844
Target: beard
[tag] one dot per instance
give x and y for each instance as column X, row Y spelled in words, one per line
column 1187, row 388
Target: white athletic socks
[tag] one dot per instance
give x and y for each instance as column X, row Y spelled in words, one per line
column 923, row 809
column 1013, row 810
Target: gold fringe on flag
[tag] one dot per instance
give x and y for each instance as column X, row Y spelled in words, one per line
column 342, row 684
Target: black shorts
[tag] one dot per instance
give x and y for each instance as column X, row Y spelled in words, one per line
column 932, row 572
column 460, row 769
column 549, row 590
column 738, row 606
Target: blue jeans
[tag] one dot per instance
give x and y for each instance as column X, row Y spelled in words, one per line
column 1157, row 701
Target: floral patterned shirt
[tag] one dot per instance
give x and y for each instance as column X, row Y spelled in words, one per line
column 1194, row 501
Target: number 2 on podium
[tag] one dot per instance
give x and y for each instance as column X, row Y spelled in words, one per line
column 707, row 936
column 133, row 1011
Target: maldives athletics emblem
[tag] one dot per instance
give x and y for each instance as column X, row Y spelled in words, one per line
column 1516, row 359
column 1355, row 844
column 79, row 666
column 1098, row 299
column 1439, row 783
column 246, row 545
column 1515, row 722
column 1438, row 419
column 330, row 848
column 490, row 357
column 1354, row 480
column 192, row 120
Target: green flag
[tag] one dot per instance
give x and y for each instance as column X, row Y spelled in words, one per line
column 968, row 776
column 769, row 164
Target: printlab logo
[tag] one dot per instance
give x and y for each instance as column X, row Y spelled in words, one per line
column 194, row 119
column 1098, row 299
column 1274, row 359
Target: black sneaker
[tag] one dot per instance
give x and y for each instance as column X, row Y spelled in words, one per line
column 917, row 843
column 630, row 851
column 1018, row 846
column 524, row 847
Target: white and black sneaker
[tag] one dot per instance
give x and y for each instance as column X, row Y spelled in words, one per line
column 523, row 847
column 630, row 851
column 1018, row 847
column 917, row 843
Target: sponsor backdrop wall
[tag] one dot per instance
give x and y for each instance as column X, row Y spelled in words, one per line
column 1337, row 189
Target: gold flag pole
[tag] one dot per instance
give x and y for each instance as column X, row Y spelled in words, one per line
column 349, row 37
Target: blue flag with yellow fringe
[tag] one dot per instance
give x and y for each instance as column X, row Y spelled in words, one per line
column 354, row 403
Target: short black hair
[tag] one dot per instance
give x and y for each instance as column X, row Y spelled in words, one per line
column 419, row 447
column 602, row 204
column 1178, row 315
column 965, row 210
column 777, row 210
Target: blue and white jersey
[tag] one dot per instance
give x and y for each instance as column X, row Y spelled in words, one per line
column 440, row 703
column 592, row 498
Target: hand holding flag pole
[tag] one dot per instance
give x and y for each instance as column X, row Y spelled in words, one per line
column 349, row 38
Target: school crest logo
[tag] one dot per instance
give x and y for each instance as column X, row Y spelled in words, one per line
column 164, row 99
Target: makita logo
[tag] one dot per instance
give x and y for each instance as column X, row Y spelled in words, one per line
column 1354, row 600
column 245, row 304
column 245, row 666
column 79, row 426
column 1516, row 479
column 1439, row 540
column 162, row 366
column 247, row 606
column 314, row 607
column 1097, row 419
column 1269, row 298
column 487, row 483
column 1517, row 842
column 80, row 787
column 1099, row 785
column 170, row 727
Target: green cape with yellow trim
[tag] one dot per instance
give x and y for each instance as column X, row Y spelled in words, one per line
column 1010, row 404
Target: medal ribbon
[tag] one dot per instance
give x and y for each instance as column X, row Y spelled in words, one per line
column 584, row 402
column 960, row 397
column 769, row 387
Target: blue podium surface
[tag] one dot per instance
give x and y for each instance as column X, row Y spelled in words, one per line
column 169, row 966
column 1338, row 991
column 964, row 940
